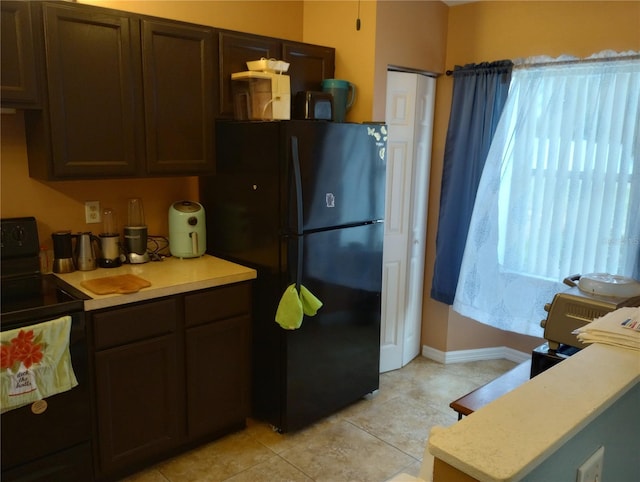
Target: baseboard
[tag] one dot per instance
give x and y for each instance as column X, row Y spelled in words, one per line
column 460, row 356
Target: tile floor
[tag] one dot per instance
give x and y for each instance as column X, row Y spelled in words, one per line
column 372, row 440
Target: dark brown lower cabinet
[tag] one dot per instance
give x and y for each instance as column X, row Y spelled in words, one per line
column 217, row 354
column 217, row 366
column 169, row 373
column 139, row 407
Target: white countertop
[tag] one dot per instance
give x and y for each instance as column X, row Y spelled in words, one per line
column 508, row 438
column 168, row 277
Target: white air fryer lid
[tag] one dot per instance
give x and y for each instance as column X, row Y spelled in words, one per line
column 186, row 206
column 605, row 284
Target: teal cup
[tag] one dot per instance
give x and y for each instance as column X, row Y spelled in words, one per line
column 344, row 95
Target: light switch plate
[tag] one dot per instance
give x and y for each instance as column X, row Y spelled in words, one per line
column 591, row 469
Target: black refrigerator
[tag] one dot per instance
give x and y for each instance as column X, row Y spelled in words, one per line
column 303, row 203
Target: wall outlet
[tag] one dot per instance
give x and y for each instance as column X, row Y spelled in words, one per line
column 591, row 469
column 92, row 212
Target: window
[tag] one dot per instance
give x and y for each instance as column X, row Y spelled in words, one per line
column 560, row 191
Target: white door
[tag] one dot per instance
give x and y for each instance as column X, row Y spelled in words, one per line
column 409, row 115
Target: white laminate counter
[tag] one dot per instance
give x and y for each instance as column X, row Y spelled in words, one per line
column 508, row 438
column 168, row 277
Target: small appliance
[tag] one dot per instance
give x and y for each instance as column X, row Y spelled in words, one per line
column 109, row 241
column 344, row 95
column 187, row 229
column 313, row 105
column 85, row 254
column 135, row 233
column 261, row 95
column 62, row 252
column 589, row 297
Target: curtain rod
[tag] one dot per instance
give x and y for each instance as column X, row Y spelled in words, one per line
column 575, row 61
column 567, row 62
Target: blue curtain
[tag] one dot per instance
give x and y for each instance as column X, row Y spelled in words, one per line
column 479, row 94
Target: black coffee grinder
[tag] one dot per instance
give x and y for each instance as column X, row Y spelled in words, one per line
column 62, row 252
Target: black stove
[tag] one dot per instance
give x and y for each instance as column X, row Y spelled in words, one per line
column 26, row 293
column 37, row 296
column 54, row 444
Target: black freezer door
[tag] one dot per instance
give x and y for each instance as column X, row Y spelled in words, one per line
column 342, row 173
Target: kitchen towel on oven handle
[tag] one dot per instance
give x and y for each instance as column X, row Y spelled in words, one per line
column 35, row 363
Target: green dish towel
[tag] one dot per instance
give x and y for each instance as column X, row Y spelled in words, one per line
column 294, row 306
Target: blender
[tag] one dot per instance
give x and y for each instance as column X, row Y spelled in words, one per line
column 109, row 241
column 135, row 233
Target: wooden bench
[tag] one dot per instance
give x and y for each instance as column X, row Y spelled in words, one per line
column 494, row 389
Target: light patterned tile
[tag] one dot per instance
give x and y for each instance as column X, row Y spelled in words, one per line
column 216, row 461
column 343, row 451
column 276, row 469
column 149, row 475
column 280, row 442
column 403, row 423
column 373, row 439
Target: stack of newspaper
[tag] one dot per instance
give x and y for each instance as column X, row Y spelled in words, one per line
column 618, row 328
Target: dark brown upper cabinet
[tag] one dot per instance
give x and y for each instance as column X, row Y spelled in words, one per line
column 128, row 96
column 310, row 65
column 19, row 84
column 179, row 83
column 93, row 122
column 236, row 49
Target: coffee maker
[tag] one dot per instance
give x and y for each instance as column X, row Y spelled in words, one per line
column 109, row 241
column 135, row 233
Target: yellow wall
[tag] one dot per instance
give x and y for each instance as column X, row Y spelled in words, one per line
column 273, row 18
column 401, row 33
column 334, row 24
column 409, row 35
column 486, row 31
column 422, row 35
column 60, row 205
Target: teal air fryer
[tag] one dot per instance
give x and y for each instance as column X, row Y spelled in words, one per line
column 187, row 229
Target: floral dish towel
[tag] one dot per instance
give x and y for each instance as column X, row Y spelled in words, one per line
column 35, row 363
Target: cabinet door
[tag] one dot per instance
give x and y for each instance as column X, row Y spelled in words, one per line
column 178, row 64
column 19, row 80
column 93, row 72
column 217, row 377
column 140, row 408
column 235, row 50
column 310, row 64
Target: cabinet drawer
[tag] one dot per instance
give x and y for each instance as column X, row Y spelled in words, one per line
column 217, row 304
column 133, row 323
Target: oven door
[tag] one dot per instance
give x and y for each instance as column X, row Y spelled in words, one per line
column 53, row 445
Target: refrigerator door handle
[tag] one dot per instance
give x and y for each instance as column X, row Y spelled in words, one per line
column 297, row 179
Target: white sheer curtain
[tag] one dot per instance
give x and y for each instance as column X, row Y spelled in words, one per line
column 560, row 190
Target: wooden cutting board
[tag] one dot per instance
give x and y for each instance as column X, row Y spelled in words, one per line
column 124, row 283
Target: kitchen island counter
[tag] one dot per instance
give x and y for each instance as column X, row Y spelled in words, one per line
column 512, row 436
column 168, row 277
